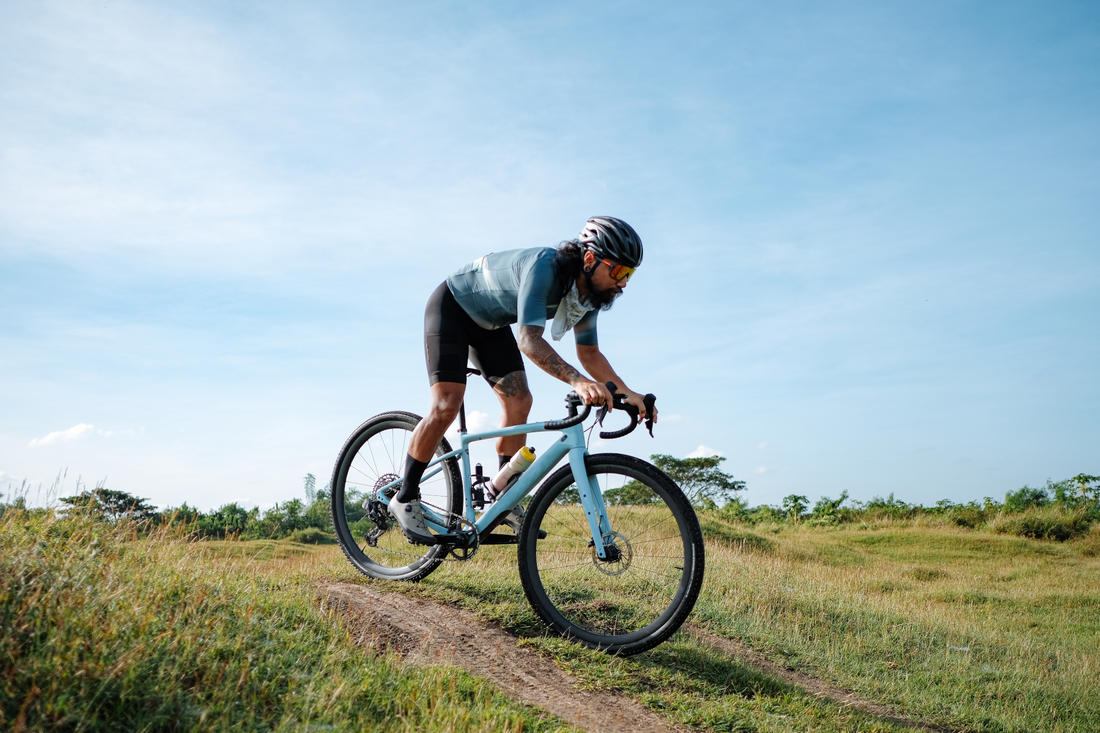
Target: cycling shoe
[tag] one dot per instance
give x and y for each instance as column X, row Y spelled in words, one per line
column 410, row 518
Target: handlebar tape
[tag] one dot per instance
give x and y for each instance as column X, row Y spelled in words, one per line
column 619, row 402
column 573, row 401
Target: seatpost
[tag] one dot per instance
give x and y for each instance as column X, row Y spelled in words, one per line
column 470, row 372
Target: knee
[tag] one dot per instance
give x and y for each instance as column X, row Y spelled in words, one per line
column 445, row 405
column 519, row 403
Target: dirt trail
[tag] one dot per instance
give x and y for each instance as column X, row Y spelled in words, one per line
column 747, row 655
column 426, row 632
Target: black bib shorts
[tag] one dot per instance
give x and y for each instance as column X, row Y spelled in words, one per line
column 451, row 338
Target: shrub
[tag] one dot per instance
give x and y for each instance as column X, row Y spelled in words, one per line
column 1044, row 523
column 889, row 508
column 1025, row 498
column 968, row 516
column 312, row 536
column 1090, row 543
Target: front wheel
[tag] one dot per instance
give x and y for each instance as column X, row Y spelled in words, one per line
column 641, row 594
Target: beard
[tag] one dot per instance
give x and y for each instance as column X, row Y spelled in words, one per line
column 602, row 299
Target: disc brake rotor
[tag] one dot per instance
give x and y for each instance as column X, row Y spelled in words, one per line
column 619, row 554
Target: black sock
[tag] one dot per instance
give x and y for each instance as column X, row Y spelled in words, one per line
column 503, row 460
column 410, row 487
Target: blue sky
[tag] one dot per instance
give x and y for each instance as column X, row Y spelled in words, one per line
column 872, row 231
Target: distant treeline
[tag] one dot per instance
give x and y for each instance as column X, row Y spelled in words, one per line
column 1057, row 511
column 305, row 521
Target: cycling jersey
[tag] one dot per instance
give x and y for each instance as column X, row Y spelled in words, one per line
column 518, row 286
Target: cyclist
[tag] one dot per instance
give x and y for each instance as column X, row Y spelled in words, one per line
column 469, row 316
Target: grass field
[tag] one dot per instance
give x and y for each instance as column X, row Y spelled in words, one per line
column 971, row 631
column 102, row 631
column 966, row 630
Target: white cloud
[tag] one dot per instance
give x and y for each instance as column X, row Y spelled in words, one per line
column 662, row 417
column 703, row 451
column 476, row 422
column 760, row 469
column 76, row 432
column 762, row 446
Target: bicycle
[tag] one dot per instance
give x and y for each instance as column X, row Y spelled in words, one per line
column 610, row 550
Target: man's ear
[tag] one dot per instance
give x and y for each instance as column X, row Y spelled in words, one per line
column 589, row 258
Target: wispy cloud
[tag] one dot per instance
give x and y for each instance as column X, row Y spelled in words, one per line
column 760, row 469
column 76, row 432
column 704, row 451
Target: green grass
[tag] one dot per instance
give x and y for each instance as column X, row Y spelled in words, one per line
column 972, row 631
column 102, row 630
column 966, row 630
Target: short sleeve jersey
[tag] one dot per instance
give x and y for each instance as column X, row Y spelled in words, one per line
column 518, row 286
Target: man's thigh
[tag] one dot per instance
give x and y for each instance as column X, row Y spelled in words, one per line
column 497, row 356
column 446, row 338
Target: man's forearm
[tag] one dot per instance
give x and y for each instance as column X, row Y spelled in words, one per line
column 597, row 365
column 534, row 346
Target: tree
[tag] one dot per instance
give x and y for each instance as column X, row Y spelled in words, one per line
column 705, row 484
column 109, row 504
column 1026, row 497
column 229, row 519
column 634, row 493
column 795, row 506
column 826, row 507
column 1083, row 482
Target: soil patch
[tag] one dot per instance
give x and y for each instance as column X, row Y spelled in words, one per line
column 426, row 632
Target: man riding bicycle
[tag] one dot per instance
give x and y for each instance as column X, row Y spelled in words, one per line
column 469, row 317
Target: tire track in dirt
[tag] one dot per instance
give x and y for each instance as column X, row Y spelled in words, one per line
column 424, row 632
column 747, row 655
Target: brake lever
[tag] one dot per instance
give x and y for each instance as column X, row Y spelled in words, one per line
column 649, row 400
column 606, row 408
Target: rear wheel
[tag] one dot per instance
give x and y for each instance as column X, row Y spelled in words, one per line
column 372, row 457
column 645, row 589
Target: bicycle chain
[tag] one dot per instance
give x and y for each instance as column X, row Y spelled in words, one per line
column 448, row 555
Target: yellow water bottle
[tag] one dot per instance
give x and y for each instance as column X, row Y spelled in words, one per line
column 520, row 462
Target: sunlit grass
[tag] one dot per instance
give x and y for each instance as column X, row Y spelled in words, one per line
column 106, row 630
column 968, row 630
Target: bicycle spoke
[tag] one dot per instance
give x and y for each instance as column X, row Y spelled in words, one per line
column 622, row 604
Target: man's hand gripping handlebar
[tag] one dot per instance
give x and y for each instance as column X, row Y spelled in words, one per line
column 619, row 402
column 618, row 399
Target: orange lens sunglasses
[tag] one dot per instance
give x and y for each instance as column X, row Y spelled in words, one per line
column 619, row 272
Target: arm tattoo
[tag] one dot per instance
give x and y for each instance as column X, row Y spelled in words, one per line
column 534, row 345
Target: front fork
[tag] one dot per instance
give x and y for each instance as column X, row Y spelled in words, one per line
column 595, row 510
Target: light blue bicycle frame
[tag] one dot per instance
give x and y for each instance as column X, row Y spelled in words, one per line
column 571, row 444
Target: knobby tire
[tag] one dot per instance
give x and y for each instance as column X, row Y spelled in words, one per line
column 372, row 456
column 626, row 606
